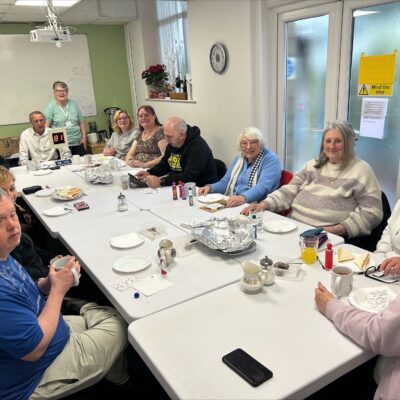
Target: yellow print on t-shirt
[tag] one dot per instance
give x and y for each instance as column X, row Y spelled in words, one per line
column 174, row 162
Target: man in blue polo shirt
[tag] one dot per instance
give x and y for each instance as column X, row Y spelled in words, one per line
column 43, row 354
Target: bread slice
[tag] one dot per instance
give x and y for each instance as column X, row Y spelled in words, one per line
column 344, row 255
column 362, row 261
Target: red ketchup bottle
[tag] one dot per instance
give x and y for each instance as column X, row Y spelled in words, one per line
column 328, row 257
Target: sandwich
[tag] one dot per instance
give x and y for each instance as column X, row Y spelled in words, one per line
column 344, row 255
column 362, row 261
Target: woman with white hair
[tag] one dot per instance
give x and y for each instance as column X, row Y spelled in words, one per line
column 337, row 191
column 253, row 174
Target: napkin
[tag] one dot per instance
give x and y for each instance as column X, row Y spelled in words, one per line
column 152, row 284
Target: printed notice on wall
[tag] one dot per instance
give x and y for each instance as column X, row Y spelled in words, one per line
column 373, row 115
column 376, row 75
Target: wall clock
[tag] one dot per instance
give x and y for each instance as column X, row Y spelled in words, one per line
column 218, row 57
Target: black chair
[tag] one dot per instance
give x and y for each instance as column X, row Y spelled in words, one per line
column 221, row 168
column 369, row 242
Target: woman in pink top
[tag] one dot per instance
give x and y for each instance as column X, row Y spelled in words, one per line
column 377, row 332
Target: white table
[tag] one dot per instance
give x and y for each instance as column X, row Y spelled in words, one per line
column 192, row 275
column 280, row 327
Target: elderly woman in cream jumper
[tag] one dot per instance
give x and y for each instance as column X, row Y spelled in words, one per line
column 252, row 175
column 337, row 192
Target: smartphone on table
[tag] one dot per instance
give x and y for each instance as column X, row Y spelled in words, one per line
column 247, row 367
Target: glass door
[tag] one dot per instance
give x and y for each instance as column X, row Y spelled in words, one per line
column 317, row 66
column 308, row 54
column 375, row 31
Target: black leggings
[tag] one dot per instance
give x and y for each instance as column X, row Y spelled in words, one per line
column 77, row 150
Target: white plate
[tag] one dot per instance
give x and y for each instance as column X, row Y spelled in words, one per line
column 57, row 211
column 351, row 264
column 133, row 263
column 372, row 299
column 126, row 241
column 44, row 192
column 211, row 198
column 41, row 172
column 279, row 226
column 62, row 194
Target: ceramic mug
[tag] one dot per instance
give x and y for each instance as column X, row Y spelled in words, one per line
column 166, row 252
column 60, row 262
column 254, row 277
column 342, row 281
column 190, row 185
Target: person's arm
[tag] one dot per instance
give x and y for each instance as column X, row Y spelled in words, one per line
column 109, row 148
column 49, row 114
column 162, row 168
column 130, row 156
column 162, row 144
column 222, row 184
column 367, row 195
column 61, row 282
column 23, row 149
column 82, row 126
column 267, row 180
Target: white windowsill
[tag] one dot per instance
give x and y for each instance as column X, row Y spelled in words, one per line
column 171, row 100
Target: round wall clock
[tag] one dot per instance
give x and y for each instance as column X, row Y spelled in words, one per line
column 218, row 57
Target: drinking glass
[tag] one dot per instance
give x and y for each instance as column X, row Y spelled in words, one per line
column 309, row 249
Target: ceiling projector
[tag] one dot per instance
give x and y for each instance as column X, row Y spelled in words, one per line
column 48, row 34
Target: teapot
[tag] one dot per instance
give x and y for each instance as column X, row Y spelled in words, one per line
column 254, row 277
column 166, row 253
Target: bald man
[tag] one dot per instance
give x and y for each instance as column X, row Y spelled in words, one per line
column 187, row 158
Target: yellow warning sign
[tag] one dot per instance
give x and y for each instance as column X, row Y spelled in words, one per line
column 376, row 75
column 363, row 91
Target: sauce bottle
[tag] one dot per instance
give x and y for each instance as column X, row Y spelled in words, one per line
column 174, row 192
column 328, row 257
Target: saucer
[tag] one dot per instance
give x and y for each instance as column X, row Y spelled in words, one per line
column 44, row 192
column 126, row 241
column 57, row 211
column 41, row 172
column 372, row 299
column 132, row 263
column 279, row 226
column 211, row 198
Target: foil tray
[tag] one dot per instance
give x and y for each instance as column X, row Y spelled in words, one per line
column 231, row 236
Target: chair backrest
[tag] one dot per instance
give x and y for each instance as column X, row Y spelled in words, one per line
column 221, row 168
column 369, row 242
column 286, row 177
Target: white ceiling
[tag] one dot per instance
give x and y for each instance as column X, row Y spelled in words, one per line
column 106, row 12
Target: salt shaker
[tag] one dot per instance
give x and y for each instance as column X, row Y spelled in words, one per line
column 122, row 204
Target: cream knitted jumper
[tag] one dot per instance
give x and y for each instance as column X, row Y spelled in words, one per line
column 327, row 196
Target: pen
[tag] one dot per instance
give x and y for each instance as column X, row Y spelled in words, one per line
column 320, row 263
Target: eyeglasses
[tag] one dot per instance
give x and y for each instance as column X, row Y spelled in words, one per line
column 122, row 119
column 250, row 143
column 61, row 90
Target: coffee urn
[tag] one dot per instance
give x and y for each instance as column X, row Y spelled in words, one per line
column 110, row 112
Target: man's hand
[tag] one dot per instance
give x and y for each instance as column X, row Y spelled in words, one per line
column 108, row 151
column 62, row 280
column 322, row 297
column 142, row 175
column 390, row 266
column 153, row 181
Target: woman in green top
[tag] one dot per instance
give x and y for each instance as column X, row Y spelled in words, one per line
column 62, row 112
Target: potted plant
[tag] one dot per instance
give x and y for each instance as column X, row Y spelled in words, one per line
column 156, row 78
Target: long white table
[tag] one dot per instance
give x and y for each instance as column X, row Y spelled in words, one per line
column 280, row 327
column 192, row 275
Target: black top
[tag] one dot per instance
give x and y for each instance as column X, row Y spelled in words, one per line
column 193, row 162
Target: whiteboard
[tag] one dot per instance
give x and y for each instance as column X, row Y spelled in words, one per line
column 28, row 71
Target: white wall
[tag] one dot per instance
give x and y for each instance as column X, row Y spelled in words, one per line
column 224, row 104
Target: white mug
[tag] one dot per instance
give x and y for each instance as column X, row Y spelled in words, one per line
column 254, row 277
column 342, row 281
column 60, row 262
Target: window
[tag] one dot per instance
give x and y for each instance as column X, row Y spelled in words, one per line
column 172, row 24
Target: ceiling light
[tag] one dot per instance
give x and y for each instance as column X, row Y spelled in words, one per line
column 41, row 3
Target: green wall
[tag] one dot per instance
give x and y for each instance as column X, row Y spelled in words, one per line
column 109, row 67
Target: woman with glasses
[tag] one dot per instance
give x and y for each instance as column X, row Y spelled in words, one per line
column 149, row 146
column 253, row 174
column 62, row 112
column 123, row 136
column 337, row 192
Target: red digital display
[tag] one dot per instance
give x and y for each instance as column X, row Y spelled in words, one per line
column 58, row 138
